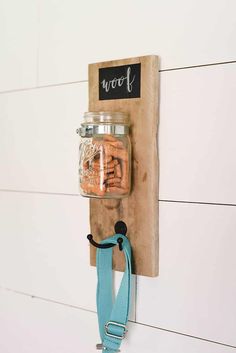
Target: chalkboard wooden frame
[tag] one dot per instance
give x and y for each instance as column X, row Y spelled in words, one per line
column 140, row 209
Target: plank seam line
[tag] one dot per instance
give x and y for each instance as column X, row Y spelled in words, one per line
column 201, row 65
column 43, row 86
column 38, row 192
column 199, row 202
column 187, row 335
column 81, row 81
column 76, row 195
column 135, row 322
column 32, row 296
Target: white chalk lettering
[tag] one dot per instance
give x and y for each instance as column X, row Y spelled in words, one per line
column 112, row 84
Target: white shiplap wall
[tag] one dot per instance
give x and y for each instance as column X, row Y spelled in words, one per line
column 47, row 288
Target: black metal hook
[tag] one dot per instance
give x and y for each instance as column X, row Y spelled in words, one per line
column 120, row 228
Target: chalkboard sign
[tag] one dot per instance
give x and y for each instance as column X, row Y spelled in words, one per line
column 119, row 82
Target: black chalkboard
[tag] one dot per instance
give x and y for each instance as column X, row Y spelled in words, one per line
column 119, row 82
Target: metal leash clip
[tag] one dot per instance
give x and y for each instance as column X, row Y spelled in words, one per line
column 100, row 347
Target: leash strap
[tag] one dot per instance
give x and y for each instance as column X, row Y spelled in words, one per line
column 112, row 317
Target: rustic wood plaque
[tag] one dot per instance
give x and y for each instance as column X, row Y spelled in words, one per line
column 140, row 210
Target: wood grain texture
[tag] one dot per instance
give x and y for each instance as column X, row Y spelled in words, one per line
column 140, row 209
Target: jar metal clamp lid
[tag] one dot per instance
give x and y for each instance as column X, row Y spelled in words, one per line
column 100, row 123
column 90, row 130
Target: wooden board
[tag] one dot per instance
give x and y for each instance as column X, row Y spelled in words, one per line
column 140, row 210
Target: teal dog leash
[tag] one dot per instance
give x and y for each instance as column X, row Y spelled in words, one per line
column 112, row 316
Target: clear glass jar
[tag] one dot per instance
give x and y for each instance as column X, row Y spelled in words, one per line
column 105, row 155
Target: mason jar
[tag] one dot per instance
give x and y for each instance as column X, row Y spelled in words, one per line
column 105, row 155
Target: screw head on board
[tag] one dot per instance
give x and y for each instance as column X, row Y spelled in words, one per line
column 120, row 228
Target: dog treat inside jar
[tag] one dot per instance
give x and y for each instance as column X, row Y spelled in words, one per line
column 105, row 150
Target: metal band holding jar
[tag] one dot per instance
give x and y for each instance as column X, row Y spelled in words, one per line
column 89, row 130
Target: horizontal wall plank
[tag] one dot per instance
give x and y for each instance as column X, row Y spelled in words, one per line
column 30, row 325
column 19, row 29
column 39, row 150
column 39, row 145
column 183, row 33
column 44, row 250
column 197, row 134
column 196, row 289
